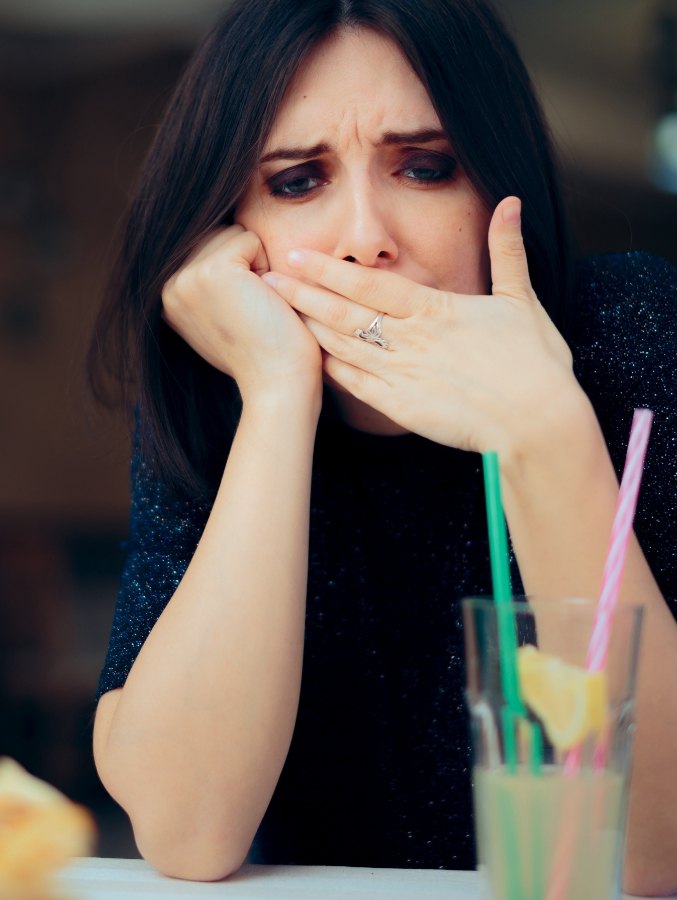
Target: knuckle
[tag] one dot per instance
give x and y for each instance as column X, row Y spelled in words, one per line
column 203, row 275
column 243, row 241
column 184, row 285
column 366, row 288
column 206, row 274
column 432, row 303
column 513, row 247
column 167, row 298
column 183, row 290
column 170, row 309
column 290, row 290
column 168, row 289
column 338, row 312
column 171, row 293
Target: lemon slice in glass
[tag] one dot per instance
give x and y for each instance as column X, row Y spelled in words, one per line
column 570, row 701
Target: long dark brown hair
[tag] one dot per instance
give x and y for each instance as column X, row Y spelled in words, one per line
column 205, row 152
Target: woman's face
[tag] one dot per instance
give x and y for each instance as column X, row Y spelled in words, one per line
column 357, row 166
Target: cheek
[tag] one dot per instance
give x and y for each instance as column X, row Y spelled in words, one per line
column 461, row 261
column 278, row 233
column 277, row 244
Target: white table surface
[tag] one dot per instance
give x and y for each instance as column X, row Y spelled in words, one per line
column 115, row 879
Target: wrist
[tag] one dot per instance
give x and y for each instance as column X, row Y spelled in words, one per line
column 295, row 404
column 565, row 434
column 559, row 495
column 562, row 469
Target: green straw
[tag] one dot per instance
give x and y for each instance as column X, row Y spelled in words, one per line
column 498, row 537
column 507, row 649
column 514, row 709
column 507, row 641
column 500, row 576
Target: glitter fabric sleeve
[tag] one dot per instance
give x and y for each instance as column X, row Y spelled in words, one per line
column 624, row 356
column 163, row 535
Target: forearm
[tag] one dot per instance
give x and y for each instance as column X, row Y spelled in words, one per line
column 202, row 727
column 560, row 503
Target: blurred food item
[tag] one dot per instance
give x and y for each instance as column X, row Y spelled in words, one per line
column 40, row 830
column 570, row 701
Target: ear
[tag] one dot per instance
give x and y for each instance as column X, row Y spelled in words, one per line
column 509, row 267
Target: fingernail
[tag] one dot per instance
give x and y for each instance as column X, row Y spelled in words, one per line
column 296, row 257
column 512, row 210
column 270, row 279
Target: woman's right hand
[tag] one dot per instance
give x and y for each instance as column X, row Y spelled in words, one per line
column 218, row 303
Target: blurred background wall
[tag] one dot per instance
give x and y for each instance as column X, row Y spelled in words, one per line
column 82, row 86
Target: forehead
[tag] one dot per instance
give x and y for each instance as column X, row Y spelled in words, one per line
column 357, row 79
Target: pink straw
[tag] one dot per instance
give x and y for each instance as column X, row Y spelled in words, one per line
column 615, row 560
column 599, row 642
column 620, row 535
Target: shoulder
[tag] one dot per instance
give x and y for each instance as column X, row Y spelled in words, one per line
column 617, row 292
column 624, row 329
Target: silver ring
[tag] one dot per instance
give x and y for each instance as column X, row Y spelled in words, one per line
column 373, row 334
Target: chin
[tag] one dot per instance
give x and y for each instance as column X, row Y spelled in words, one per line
column 360, row 416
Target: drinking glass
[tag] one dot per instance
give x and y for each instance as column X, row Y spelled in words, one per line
column 549, row 821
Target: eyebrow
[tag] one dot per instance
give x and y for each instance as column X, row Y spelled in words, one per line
column 424, row 136
column 390, row 138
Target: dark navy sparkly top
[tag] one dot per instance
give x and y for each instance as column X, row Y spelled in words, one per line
column 378, row 773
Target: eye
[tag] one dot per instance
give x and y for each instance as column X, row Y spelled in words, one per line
column 428, row 168
column 299, row 181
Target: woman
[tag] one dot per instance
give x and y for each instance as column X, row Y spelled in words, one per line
column 338, row 195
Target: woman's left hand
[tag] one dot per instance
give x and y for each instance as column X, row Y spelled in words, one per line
column 473, row 372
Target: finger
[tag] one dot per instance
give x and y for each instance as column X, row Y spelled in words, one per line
column 223, row 250
column 374, row 390
column 333, row 310
column 211, row 243
column 373, row 288
column 363, row 355
column 362, row 385
column 232, row 246
column 247, row 252
column 509, row 267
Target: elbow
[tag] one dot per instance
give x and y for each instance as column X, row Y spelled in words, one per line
column 175, row 839
column 178, row 844
column 650, row 862
column 650, row 880
column 191, row 857
column 186, row 844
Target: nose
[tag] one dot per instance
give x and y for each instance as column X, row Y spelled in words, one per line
column 366, row 229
